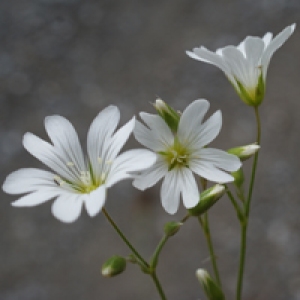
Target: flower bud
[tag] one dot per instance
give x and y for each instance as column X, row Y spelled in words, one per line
column 244, row 152
column 113, row 266
column 170, row 116
column 207, row 199
column 172, row 228
column 211, row 289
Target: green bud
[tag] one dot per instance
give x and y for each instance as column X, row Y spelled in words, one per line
column 238, row 177
column 172, row 228
column 244, row 152
column 210, row 287
column 113, row 266
column 170, row 116
column 207, row 199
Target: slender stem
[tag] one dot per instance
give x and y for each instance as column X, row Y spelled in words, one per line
column 244, row 221
column 154, row 260
column 151, row 271
column 184, row 219
column 205, row 226
column 158, row 286
column 234, row 203
column 258, row 138
column 135, row 252
column 242, row 260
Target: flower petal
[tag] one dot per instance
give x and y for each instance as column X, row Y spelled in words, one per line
column 27, row 180
column 170, row 192
column 64, row 137
column 209, row 171
column 95, row 201
column 119, row 139
column 210, row 57
column 37, row 197
column 162, row 134
column 67, row 208
column 238, row 64
column 50, row 156
column 99, row 135
column 152, row 175
column 207, row 132
column 220, row 159
column 191, row 120
column 267, row 38
column 129, row 161
column 276, row 43
column 189, row 188
column 145, row 137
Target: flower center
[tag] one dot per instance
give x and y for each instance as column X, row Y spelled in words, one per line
column 86, row 181
column 176, row 156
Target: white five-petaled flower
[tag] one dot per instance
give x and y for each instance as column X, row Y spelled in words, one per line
column 77, row 180
column 182, row 153
column 246, row 65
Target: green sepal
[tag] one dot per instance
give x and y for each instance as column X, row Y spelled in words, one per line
column 238, row 177
column 258, row 94
column 171, row 228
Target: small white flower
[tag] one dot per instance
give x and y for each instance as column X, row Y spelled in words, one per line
column 181, row 154
column 77, row 180
column 246, row 65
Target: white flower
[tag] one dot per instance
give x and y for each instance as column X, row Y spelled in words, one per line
column 77, row 180
column 246, row 65
column 179, row 155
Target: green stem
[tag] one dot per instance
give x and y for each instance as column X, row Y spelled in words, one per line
column 205, row 226
column 244, row 222
column 235, row 204
column 158, row 286
column 154, row 259
column 258, row 138
column 135, row 252
column 151, row 271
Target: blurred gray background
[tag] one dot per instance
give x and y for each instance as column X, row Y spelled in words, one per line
column 75, row 57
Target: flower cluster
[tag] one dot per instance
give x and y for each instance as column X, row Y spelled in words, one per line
column 178, row 154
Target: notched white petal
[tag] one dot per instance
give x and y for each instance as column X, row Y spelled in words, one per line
column 129, row 162
column 220, row 159
column 191, row 120
column 36, row 198
column 151, row 176
column 95, row 201
column 119, row 139
column 67, row 208
column 170, row 192
column 189, row 188
column 27, row 180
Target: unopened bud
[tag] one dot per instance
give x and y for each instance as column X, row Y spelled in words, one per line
column 170, row 116
column 172, row 228
column 113, row 266
column 210, row 287
column 207, row 199
column 244, row 152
